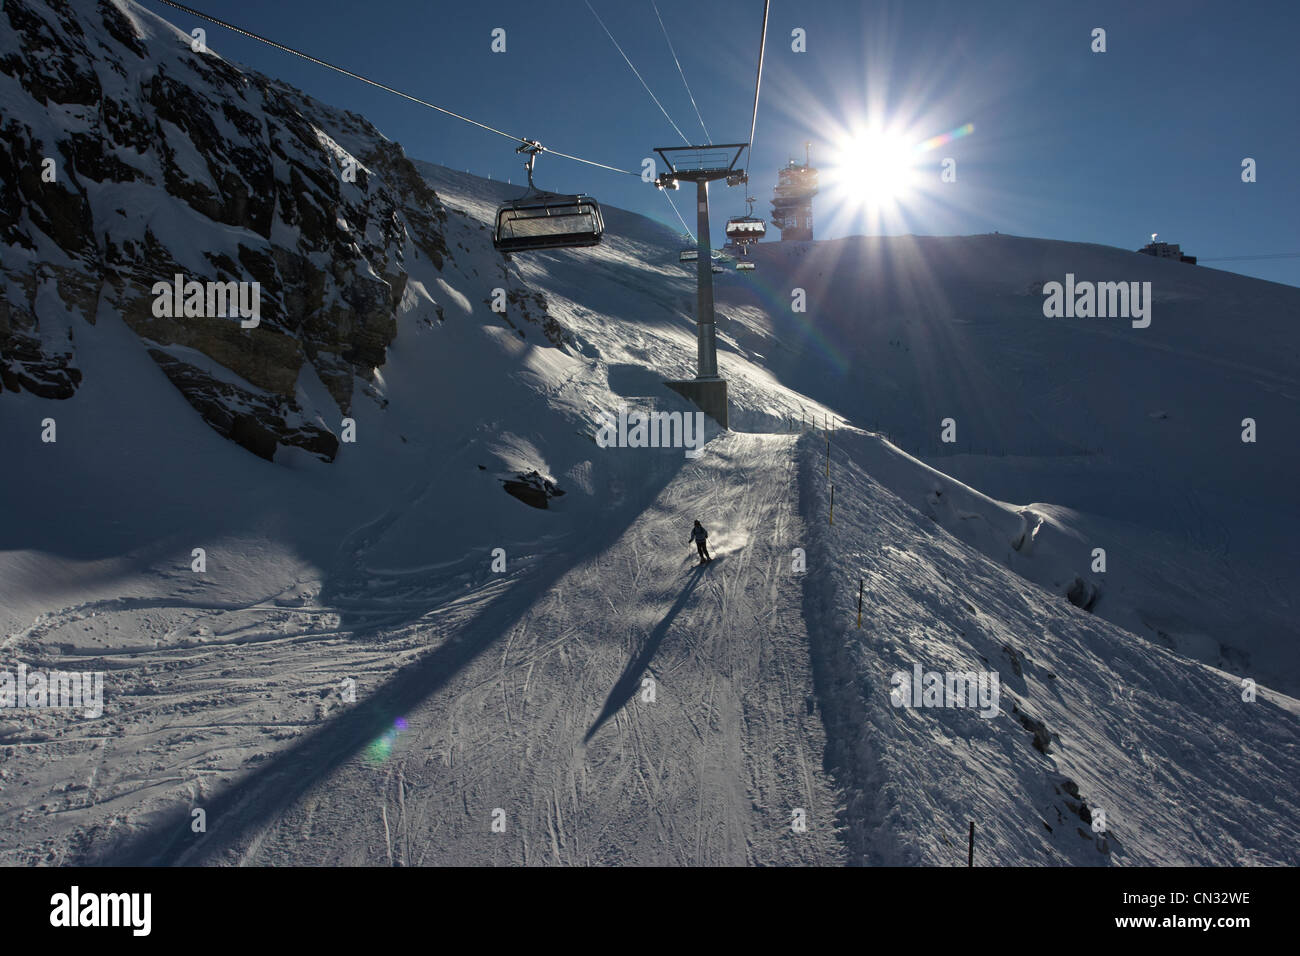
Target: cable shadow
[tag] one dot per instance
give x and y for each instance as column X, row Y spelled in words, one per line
column 236, row 812
column 629, row 681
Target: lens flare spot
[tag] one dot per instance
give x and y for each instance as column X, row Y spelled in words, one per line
column 381, row 748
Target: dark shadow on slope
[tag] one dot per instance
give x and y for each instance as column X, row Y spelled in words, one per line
column 849, row 760
column 628, row 683
column 694, row 566
column 237, row 811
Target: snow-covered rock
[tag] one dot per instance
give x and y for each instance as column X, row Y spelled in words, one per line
column 134, row 159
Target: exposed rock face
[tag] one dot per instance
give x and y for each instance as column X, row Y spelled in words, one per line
column 128, row 158
column 518, row 302
column 41, row 359
column 257, row 422
column 1082, row 594
column 532, row 489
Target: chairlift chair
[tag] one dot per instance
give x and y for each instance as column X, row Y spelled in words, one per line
column 546, row 220
column 688, row 255
column 746, row 229
column 746, row 265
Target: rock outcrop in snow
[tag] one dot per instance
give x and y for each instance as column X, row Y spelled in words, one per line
column 133, row 159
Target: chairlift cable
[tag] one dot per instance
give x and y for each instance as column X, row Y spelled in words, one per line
column 758, row 82
column 707, row 137
column 590, row 162
column 679, row 215
column 638, row 74
column 357, row 76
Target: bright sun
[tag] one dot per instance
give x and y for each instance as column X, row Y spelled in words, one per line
column 876, row 169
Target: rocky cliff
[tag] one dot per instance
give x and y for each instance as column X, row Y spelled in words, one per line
column 128, row 157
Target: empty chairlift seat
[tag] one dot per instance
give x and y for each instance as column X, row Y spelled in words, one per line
column 745, row 265
column 689, row 255
column 548, row 221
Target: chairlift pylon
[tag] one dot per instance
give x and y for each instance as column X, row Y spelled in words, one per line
column 546, row 220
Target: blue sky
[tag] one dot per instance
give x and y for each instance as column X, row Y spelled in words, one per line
column 1067, row 144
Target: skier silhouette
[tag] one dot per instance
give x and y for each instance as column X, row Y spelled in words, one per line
column 698, row 535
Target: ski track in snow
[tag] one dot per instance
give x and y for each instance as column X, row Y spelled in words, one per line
column 549, row 724
column 1186, row 771
column 523, row 695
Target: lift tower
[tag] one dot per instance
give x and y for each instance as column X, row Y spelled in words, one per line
column 703, row 165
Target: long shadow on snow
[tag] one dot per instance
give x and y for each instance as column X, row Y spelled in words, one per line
column 264, row 793
column 629, row 681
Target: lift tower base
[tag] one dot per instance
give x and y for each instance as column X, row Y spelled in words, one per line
column 708, row 395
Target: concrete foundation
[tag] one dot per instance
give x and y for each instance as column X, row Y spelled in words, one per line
column 709, row 395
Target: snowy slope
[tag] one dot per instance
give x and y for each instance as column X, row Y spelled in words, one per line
column 1121, row 438
column 224, row 688
column 1091, row 717
column 528, row 700
column 544, row 714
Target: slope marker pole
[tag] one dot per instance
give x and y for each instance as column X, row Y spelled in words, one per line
column 970, row 848
column 859, row 604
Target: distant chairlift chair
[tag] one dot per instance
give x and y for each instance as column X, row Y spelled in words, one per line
column 743, row 231
column 543, row 220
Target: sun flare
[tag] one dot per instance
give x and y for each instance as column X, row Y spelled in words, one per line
column 876, row 169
